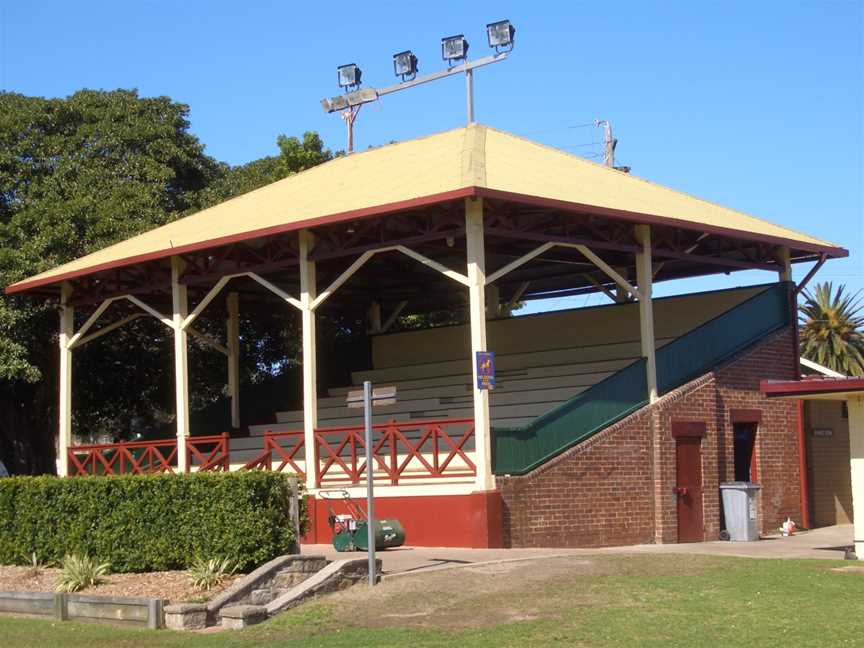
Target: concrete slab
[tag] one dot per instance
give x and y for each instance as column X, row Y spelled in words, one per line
column 828, row 543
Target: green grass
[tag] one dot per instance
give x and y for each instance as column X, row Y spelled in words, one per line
column 614, row 601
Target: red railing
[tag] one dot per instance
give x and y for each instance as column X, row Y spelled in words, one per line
column 407, row 450
column 148, row 457
column 210, row 452
column 285, row 446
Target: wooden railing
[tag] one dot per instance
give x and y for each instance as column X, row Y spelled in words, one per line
column 402, row 450
column 285, row 446
column 206, row 453
column 408, row 450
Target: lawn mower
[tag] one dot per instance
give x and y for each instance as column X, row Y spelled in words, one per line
column 350, row 528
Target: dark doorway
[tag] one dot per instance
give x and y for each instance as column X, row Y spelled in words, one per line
column 744, row 440
column 688, row 488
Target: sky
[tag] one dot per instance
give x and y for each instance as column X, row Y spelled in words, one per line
column 756, row 106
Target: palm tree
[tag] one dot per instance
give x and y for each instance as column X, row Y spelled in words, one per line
column 832, row 329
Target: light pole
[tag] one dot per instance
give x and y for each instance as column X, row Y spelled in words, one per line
column 453, row 49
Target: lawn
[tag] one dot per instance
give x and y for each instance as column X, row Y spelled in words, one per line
column 660, row 600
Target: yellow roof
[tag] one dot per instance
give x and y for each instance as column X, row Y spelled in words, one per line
column 474, row 160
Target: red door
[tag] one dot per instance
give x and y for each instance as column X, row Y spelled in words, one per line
column 688, row 489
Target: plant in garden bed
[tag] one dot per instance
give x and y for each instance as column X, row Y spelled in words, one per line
column 34, row 566
column 207, row 574
column 78, row 572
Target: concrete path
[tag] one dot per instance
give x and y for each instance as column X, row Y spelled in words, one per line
column 827, row 543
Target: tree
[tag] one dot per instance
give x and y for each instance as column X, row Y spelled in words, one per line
column 832, row 329
column 295, row 155
column 76, row 175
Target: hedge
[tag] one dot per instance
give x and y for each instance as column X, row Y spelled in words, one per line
column 147, row 522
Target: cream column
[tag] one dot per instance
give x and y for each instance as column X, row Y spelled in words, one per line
column 644, row 278
column 180, row 309
column 856, row 460
column 476, row 256
column 310, row 389
column 784, row 258
column 375, row 317
column 64, row 412
column 233, row 344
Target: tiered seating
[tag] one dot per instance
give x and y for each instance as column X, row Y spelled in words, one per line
column 532, row 375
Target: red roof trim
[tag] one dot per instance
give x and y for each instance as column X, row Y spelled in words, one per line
column 380, row 210
column 366, row 212
column 651, row 219
column 804, row 387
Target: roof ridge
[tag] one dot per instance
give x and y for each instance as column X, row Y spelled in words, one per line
column 657, row 185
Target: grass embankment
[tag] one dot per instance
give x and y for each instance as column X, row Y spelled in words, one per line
column 586, row 601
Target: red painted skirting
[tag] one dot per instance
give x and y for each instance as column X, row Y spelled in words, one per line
column 429, row 521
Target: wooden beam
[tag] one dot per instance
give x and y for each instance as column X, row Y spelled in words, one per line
column 394, row 315
column 476, row 258
column 605, row 267
column 167, row 321
column 855, row 407
column 210, row 296
column 803, row 283
column 644, row 276
column 659, row 266
column 105, row 330
column 90, row 322
column 276, row 289
column 310, row 381
column 447, row 272
column 601, row 287
column 374, row 317
column 525, row 258
column 208, row 339
column 232, row 326
column 784, row 258
column 345, row 276
column 67, row 324
column 516, row 296
column 180, row 308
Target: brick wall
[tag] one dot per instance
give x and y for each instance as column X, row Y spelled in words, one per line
column 616, row 488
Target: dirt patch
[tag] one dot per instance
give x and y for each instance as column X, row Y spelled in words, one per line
column 171, row 585
column 504, row 592
column 848, row 570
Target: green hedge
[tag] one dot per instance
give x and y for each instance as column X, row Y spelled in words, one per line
column 147, row 522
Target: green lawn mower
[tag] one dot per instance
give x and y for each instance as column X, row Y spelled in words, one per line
column 350, row 529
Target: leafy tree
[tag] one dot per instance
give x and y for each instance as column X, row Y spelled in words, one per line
column 832, row 329
column 76, row 175
column 295, row 155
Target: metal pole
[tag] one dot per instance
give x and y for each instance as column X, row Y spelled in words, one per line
column 349, row 116
column 469, row 86
column 370, row 504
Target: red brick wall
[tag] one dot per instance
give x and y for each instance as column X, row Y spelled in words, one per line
column 616, row 488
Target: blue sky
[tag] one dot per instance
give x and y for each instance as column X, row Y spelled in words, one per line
column 757, row 106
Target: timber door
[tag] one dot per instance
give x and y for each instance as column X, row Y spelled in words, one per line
column 688, row 488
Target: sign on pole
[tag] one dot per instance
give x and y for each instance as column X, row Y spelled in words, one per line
column 485, row 370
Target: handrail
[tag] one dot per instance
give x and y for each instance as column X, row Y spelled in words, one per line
column 519, row 450
column 147, row 457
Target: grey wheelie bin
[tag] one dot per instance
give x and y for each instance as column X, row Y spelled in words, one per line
column 739, row 508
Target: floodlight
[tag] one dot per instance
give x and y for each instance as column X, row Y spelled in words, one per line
column 349, row 75
column 500, row 34
column 405, row 64
column 454, row 48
